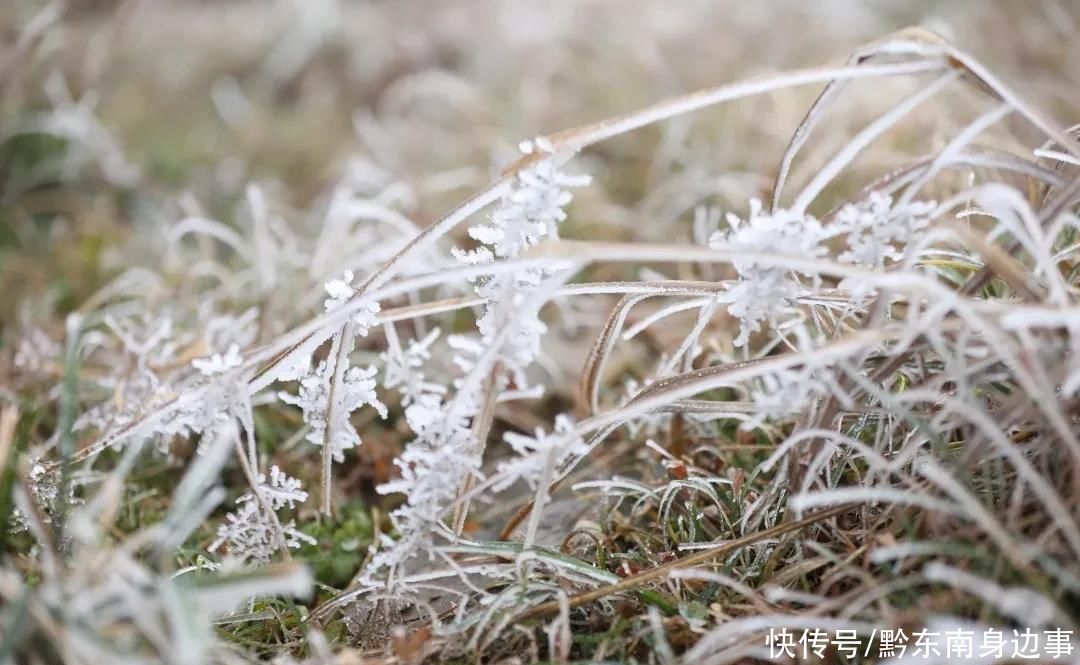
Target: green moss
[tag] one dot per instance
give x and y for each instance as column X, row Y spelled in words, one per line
column 341, row 545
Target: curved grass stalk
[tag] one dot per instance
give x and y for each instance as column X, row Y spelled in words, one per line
column 698, row 381
column 566, row 143
column 953, row 148
column 864, row 138
column 705, row 315
column 871, row 496
column 828, row 95
column 481, row 427
column 213, row 229
column 571, row 141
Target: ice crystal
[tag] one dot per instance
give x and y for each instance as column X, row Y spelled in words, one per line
column 281, row 490
column 339, row 291
column 536, row 452
column 36, row 352
column 876, row 231
column 764, row 294
column 445, row 452
column 328, row 393
column 535, row 207
column 357, row 389
column 780, row 394
column 403, row 367
column 432, row 469
column 219, row 363
column 529, row 213
column 250, row 532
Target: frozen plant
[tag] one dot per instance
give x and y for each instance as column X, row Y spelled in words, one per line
column 331, row 391
column 529, row 213
column 432, row 468
column 876, row 231
column 403, row 368
column 535, row 207
column 36, row 351
column 446, row 455
column 76, row 121
column 357, row 389
column 104, row 600
column 950, row 406
column 281, row 490
column 536, row 455
column 251, row 532
column 778, row 395
column 339, row 291
column 218, row 363
column 765, row 294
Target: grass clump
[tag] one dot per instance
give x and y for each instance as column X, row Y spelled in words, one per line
column 652, row 390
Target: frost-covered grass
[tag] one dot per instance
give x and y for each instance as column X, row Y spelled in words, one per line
column 307, row 355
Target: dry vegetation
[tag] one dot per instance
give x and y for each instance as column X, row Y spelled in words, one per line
column 306, row 355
